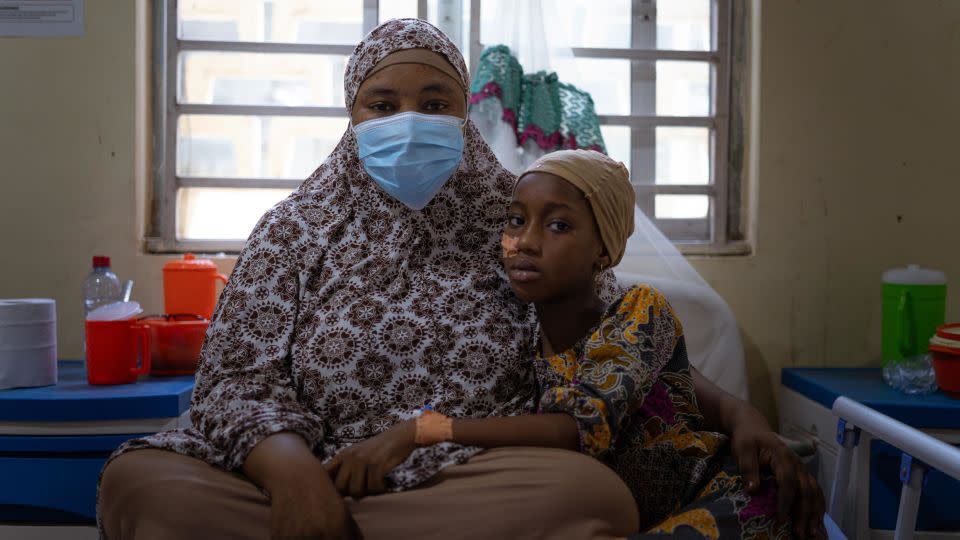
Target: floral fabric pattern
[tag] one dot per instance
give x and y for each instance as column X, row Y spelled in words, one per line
column 629, row 388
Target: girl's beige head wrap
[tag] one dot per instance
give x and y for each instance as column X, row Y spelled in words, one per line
column 606, row 185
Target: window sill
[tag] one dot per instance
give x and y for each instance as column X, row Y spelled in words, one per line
column 731, row 249
column 154, row 245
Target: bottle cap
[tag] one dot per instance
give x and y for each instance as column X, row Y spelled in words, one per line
column 99, row 261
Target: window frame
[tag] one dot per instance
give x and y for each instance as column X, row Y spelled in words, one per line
column 166, row 111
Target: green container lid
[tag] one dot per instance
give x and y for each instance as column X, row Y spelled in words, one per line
column 914, row 275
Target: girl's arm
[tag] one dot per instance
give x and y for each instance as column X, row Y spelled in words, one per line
column 360, row 469
column 547, row 430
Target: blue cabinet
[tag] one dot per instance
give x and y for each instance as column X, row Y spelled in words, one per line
column 54, row 440
column 806, row 398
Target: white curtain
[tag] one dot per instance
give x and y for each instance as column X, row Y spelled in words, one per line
column 710, row 329
column 524, row 26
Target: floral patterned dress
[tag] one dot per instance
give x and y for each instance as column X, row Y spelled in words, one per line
column 628, row 386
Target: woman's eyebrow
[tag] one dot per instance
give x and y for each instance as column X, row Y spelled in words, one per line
column 440, row 87
column 379, row 91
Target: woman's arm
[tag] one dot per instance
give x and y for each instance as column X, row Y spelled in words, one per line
column 719, row 409
column 280, row 458
column 245, row 390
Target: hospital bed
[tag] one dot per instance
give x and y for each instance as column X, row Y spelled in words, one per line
column 920, row 454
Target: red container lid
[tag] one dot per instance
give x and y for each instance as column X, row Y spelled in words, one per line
column 190, row 262
column 947, row 338
column 949, row 331
column 180, row 319
column 99, row 261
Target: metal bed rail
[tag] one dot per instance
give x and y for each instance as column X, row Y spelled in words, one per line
column 920, row 454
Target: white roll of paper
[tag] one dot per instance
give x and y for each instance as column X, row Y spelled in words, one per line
column 28, row 342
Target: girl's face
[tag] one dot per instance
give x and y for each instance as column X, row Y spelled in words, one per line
column 408, row 88
column 552, row 247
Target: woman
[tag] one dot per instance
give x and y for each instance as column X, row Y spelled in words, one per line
column 350, row 309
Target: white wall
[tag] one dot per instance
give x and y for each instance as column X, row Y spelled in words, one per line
column 857, row 160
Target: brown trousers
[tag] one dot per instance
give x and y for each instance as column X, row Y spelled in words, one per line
column 506, row 493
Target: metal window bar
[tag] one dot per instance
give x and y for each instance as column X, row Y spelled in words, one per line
column 158, row 117
column 264, row 47
column 640, row 53
column 166, row 76
column 168, row 187
column 921, row 452
column 720, row 106
column 643, row 138
column 261, row 110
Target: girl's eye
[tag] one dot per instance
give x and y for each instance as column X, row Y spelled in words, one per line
column 559, row 226
column 381, row 106
column 514, row 221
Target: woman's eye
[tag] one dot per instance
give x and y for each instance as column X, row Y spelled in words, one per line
column 559, row 226
column 514, row 221
column 435, row 106
column 381, row 107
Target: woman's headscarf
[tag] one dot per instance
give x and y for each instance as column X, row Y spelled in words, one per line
column 421, row 294
column 606, row 185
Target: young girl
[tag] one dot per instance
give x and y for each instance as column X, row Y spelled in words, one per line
column 620, row 370
column 614, row 380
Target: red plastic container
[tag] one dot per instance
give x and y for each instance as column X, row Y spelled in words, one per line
column 113, row 351
column 175, row 342
column 945, row 349
column 190, row 286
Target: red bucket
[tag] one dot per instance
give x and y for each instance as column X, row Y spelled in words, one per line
column 175, row 343
column 945, row 349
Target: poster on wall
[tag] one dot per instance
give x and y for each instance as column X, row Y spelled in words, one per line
column 41, row 18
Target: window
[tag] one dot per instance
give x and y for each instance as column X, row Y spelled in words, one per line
column 249, row 101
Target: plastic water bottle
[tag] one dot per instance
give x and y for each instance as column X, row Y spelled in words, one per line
column 913, row 375
column 101, row 287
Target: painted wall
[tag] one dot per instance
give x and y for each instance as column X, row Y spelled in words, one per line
column 858, row 172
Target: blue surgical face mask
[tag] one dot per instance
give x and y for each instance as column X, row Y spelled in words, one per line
column 411, row 155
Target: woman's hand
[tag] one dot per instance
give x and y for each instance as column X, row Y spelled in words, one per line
column 305, row 505
column 757, row 447
column 360, row 469
column 303, row 501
